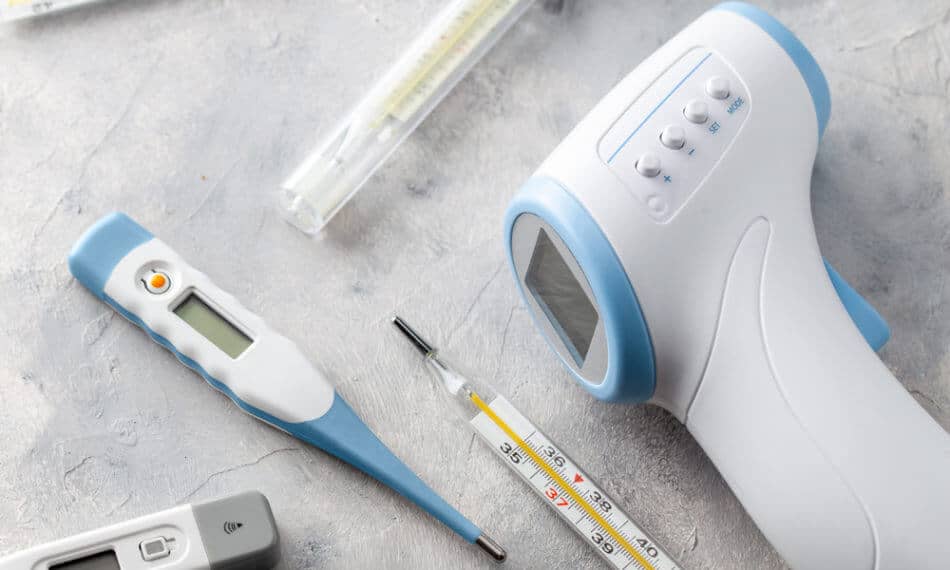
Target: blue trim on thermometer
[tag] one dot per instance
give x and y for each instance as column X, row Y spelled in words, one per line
column 872, row 326
column 97, row 252
column 631, row 369
column 796, row 50
column 631, row 372
column 658, row 105
column 339, row 432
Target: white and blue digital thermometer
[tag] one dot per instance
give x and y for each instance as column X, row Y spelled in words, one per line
column 666, row 251
column 265, row 373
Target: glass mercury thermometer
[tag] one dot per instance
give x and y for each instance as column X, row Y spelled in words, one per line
column 455, row 40
column 545, row 468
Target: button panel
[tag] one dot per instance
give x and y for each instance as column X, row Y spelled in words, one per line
column 685, row 120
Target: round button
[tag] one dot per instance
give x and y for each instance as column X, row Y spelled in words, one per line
column 696, row 111
column 648, row 165
column 717, row 87
column 157, row 283
column 656, row 205
column 673, row 137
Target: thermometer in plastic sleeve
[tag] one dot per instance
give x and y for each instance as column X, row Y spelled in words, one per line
column 452, row 43
column 546, row 469
column 236, row 352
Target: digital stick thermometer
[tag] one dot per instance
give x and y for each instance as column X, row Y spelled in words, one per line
column 263, row 372
column 233, row 533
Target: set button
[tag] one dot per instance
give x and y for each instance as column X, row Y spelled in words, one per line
column 696, row 111
column 717, row 87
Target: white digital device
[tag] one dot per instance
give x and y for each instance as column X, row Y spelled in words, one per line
column 234, row 533
column 666, row 250
column 237, row 353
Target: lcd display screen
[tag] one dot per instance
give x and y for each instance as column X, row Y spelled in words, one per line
column 557, row 291
column 101, row 561
column 212, row 326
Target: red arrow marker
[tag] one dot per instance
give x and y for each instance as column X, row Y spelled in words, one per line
column 578, row 478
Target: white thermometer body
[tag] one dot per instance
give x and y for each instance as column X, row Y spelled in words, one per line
column 666, row 250
column 236, row 352
column 234, row 533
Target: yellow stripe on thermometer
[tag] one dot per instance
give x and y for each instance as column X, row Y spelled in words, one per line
column 566, row 488
column 546, row 469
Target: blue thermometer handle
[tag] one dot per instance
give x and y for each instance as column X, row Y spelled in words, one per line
column 262, row 372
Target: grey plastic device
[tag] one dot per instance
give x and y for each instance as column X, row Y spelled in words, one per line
column 253, row 544
column 233, row 533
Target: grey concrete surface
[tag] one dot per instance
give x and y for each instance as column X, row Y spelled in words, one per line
column 187, row 114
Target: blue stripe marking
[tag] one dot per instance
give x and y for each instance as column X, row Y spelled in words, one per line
column 655, row 109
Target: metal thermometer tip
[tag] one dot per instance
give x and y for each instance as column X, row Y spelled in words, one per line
column 491, row 547
column 417, row 341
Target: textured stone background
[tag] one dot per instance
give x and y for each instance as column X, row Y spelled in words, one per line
column 187, row 114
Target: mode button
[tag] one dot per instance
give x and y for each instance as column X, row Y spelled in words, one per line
column 717, row 87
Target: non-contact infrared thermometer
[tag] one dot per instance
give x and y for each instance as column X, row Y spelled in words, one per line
column 233, row 533
column 263, row 372
column 667, row 252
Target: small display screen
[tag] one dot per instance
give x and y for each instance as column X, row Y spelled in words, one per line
column 553, row 285
column 101, row 561
column 212, row 326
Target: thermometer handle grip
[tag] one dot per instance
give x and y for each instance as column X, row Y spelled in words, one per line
column 829, row 454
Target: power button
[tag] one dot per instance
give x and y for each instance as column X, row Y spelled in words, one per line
column 157, row 283
column 154, row 548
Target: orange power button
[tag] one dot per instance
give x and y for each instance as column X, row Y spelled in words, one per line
column 157, row 283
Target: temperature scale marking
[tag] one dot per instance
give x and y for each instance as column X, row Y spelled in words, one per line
column 556, row 487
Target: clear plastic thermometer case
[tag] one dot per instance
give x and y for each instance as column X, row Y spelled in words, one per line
column 445, row 51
